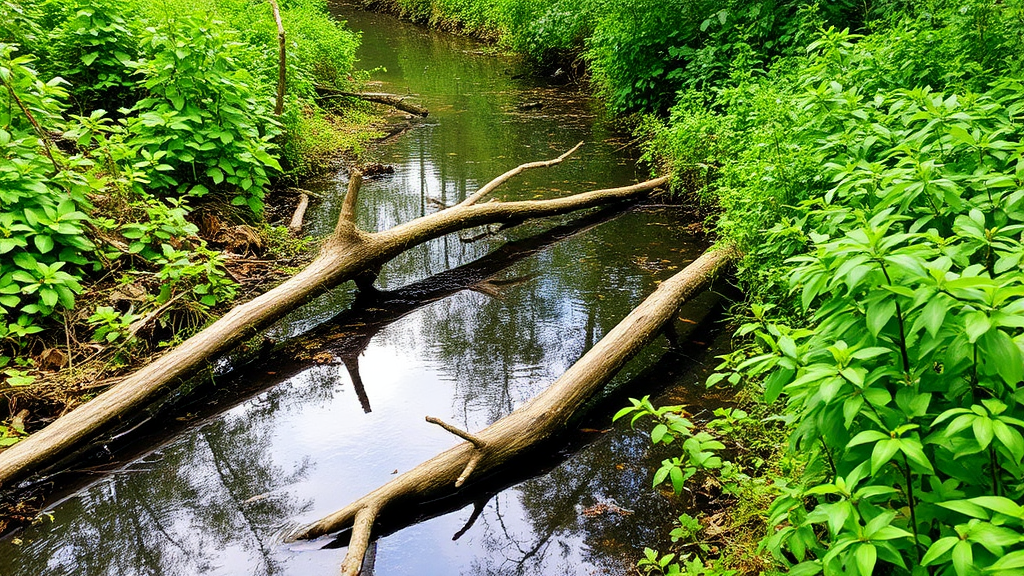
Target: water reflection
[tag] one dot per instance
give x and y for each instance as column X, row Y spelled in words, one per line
column 456, row 333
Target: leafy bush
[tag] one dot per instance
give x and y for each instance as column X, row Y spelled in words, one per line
column 882, row 221
column 908, row 383
column 42, row 228
column 93, row 50
column 201, row 119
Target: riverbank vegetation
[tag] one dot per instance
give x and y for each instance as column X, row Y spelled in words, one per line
column 140, row 145
column 866, row 157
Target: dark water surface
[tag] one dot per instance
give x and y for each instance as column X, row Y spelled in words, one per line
column 465, row 331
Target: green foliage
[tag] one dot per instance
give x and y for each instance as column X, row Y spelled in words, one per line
column 882, row 223
column 698, row 449
column 902, row 257
column 914, row 359
column 201, row 118
column 94, row 50
column 654, row 564
column 42, row 228
column 110, row 325
column 173, row 104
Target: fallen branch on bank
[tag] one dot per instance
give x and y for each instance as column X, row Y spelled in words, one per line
column 349, row 254
column 537, row 420
column 393, row 100
column 295, row 226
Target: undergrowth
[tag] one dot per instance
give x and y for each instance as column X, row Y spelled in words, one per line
column 139, row 145
column 877, row 192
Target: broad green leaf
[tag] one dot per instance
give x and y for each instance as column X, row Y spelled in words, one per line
column 999, row 504
column 966, row 508
column 1010, row 439
column 658, row 433
column 1012, row 561
column 776, row 382
column 998, row 351
column 933, row 315
column 963, row 558
column 976, row 324
column 867, row 436
column 809, row 568
column 914, row 453
column 938, row 548
column 866, row 556
column 983, row 431
column 43, row 243
column 883, row 452
column 879, row 314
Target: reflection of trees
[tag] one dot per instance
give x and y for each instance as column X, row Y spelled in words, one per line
column 170, row 518
column 546, row 532
column 499, row 352
column 217, row 493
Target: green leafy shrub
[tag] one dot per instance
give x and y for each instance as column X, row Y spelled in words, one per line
column 93, row 50
column 43, row 240
column 201, row 118
column 908, row 384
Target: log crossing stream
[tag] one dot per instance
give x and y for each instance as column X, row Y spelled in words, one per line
column 464, row 331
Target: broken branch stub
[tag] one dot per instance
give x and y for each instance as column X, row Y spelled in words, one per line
column 349, row 254
column 540, row 417
column 282, row 60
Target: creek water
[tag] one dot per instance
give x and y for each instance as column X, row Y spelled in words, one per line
column 464, row 331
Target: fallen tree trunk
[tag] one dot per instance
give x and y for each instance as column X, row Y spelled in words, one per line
column 530, row 424
column 349, row 254
column 393, row 100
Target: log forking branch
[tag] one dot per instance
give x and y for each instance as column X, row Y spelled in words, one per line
column 533, row 422
column 479, row 446
column 348, row 255
column 490, row 186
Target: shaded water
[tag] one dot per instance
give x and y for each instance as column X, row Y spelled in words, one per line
column 464, row 331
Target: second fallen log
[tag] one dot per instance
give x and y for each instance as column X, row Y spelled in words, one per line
column 537, row 420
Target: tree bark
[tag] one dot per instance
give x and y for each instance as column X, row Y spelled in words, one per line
column 347, row 255
column 537, row 420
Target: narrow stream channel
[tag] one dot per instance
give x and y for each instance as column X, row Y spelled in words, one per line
column 465, row 331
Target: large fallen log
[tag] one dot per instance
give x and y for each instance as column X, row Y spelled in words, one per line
column 393, row 100
column 535, row 421
column 349, row 254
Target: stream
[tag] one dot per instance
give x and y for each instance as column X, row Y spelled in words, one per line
column 463, row 331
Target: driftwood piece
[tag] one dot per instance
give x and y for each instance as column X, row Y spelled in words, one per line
column 535, row 421
column 295, row 226
column 282, row 61
column 393, row 100
column 349, row 254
